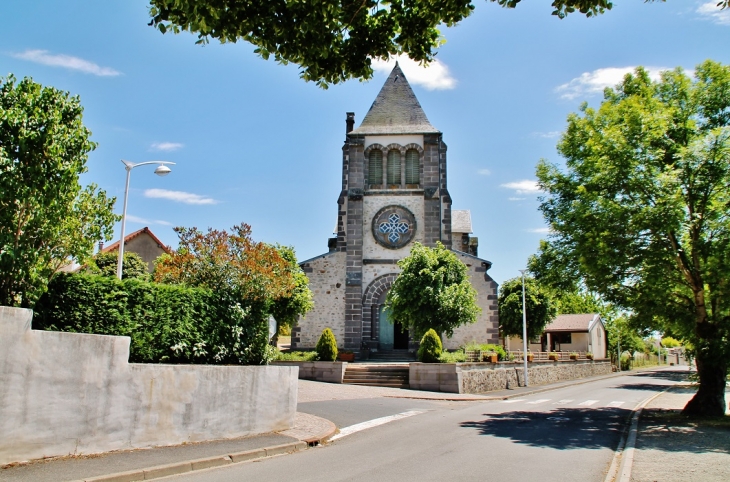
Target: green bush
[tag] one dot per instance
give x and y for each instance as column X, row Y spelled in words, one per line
column 166, row 323
column 457, row 356
column 431, row 348
column 488, row 347
column 327, row 346
column 105, row 264
column 295, row 356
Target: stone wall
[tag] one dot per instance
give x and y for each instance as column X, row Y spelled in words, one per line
column 321, row 371
column 327, row 281
column 486, row 377
column 69, row 393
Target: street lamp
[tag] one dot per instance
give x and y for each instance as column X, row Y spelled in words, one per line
column 162, row 170
column 524, row 326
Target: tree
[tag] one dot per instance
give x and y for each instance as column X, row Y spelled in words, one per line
column 47, row 220
column 641, row 216
column 333, row 40
column 105, row 264
column 287, row 308
column 540, row 308
column 432, row 291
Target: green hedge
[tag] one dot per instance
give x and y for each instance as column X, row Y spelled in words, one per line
column 167, row 323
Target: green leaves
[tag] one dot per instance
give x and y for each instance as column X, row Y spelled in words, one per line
column 46, row 219
column 432, row 291
column 541, row 308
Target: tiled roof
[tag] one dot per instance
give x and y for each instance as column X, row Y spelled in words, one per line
column 461, row 221
column 581, row 322
column 396, row 110
column 115, row 245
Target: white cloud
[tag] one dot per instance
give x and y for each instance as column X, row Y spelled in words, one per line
column 539, row 230
column 547, row 135
column 67, row 62
column 179, row 196
column 166, row 146
column 522, row 187
column 591, row 83
column 712, row 12
column 484, row 172
column 136, row 219
column 516, row 198
column 435, row 76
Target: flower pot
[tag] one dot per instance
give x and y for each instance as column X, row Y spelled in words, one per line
column 490, row 357
column 589, row 356
column 553, row 357
column 530, row 357
column 573, row 357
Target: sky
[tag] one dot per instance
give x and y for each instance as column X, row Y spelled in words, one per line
column 254, row 143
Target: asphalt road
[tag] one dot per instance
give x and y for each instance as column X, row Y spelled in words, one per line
column 562, row 435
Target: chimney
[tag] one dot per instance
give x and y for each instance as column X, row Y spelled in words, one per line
column 350, row 122
column 101, row 245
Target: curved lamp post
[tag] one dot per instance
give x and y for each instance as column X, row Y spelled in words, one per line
column 162, row 170
column 524, row 326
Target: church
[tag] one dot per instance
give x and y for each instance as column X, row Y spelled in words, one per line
column 394, row 193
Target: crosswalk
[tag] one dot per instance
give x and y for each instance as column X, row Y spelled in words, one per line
column 566, row 402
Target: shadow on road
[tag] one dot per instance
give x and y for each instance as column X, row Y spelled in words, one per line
column 671, row 377
column 562, row 428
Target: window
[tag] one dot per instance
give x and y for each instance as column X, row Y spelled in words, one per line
column 562, row 338
column 375, row 167
column 412, row 174
column 394, row 167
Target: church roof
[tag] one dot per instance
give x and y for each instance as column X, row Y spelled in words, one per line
column 461, row 221
column 396, row 110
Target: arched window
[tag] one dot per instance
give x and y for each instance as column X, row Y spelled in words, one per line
column 375, row 167
column 394, row 167
column 412, row 170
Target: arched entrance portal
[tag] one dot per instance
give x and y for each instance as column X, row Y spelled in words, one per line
column 392, row 336
column 384, row 334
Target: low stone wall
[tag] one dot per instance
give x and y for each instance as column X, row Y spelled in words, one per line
column 487, row 377
column 332, row 372
column 69, row 393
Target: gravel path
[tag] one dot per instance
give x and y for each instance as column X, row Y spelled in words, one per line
column 672, row 448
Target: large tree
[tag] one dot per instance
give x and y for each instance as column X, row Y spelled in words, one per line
column 540, row 308
column 641, row 213
column 47, row 220
column 333, row 40
column 432, row 291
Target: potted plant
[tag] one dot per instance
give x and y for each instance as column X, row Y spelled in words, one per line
column 530, row 356
column 491, row 357
column 553, row 356
column 589, row 355
column 573, row 356
column 346, row 356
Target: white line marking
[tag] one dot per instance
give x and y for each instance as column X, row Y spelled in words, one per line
column 344, row 432
column 535, row 402
column 561, row 402
column 615, row 404
column 588, row 403
column 514, row 400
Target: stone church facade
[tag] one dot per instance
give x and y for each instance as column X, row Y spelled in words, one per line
column 394, row 193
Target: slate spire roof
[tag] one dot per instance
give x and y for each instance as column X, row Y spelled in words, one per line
column 396, row 110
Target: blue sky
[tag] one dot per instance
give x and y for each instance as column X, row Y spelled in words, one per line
column 253, row 143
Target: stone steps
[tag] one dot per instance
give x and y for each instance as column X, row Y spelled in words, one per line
column 377, row 375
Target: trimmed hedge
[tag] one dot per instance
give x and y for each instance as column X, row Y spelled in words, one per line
column 327, row 346
column 167, row 323
column 431, row 348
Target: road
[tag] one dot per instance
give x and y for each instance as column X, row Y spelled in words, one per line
column 568, row 434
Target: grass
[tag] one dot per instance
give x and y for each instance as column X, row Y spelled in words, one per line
column 457, row 356
column 296, row 356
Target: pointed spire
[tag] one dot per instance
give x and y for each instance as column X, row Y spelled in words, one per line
column 396, row 110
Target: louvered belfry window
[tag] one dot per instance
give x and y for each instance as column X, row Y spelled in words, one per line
column 375, row 167
column 394, row 167
column 412, row 171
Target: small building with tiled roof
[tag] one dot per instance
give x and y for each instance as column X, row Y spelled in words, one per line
column 581, row 333
column 144, row 243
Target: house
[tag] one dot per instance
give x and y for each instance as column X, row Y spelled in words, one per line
column 394, row 193
column 569, row 333
column 144, row 243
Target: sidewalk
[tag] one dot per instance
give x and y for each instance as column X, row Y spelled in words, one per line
column 674, row 448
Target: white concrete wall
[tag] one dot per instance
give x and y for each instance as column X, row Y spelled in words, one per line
column 327, row 282
column 68, row 393
column 598, row 341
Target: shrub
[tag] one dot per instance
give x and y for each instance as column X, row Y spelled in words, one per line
column 431, row 348
column 327, row 346
column 457, row 356
column 295, row 356
column 105, row 264
column 166, row 324
column 487, row 347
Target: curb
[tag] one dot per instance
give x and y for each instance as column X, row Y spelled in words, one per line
column 198, row 464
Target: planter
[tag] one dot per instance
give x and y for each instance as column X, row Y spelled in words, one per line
column 552, row 357
column 589, row 356
column 573, row 357
column 492, row 358
column 346, row 357
column 530, row 357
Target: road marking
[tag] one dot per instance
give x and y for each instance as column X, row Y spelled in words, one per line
column 588, row 403
column 561, row 402
column 535, row 402
column 615, row 404
column 344, row 432
column 514, row 400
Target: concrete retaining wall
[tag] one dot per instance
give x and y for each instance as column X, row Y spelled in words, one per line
column 332, row 372
column 68, row 393
column 487, row 377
